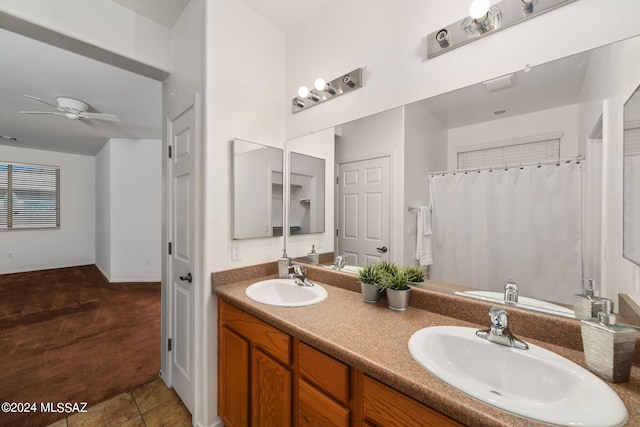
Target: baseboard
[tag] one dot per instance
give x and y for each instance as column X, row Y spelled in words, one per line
column 43, row 268
column 138, row 280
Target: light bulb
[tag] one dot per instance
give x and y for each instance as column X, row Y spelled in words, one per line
column 303, row 91
column 478, row 8
column 319, row 84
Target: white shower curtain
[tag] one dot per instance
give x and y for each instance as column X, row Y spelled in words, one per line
column 522, row 224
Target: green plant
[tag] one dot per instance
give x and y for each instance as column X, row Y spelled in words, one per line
column 369, row 274
column 395, row 279
column 414, row 273
column 386, row 267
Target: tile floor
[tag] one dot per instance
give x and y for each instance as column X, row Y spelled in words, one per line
column 149, row 405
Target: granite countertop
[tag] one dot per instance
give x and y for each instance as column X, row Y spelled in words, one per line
column 373, row 339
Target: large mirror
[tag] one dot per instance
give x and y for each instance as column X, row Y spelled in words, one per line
column 258, row 195
column 306, row 199
column 527, row 120
column 631, row 191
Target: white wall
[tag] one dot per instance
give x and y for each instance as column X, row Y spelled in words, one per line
column 425, row 151
column 103, row 210
column 245, row 99
column 100, row 23
column 320, row 144
column 388, row 41
column 128, row 210
column 74, row 242
column 609, row 82
column 560, row 119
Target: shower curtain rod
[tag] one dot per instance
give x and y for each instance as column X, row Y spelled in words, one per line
column 558, row 162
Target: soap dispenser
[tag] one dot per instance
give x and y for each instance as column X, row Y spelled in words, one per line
column 583, row 304
column 283, row 265
column 313, row 257
column 608, row 346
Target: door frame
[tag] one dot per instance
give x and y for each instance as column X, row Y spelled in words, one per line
column 198, row 285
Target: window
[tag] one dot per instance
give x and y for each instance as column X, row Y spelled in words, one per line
column 524, row 150
column 29, row 196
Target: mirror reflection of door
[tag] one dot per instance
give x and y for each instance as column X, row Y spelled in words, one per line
column 363, row 211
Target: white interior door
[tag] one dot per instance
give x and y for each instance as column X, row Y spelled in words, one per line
column 363, row 211
column 182, row 133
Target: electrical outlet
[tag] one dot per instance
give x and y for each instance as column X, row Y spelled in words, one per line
column 235, row 253
column 147, row 261
column 10, row 254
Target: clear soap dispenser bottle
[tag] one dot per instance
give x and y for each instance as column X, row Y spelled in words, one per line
column 608, row 346
column 583, row 304
column 313, row 257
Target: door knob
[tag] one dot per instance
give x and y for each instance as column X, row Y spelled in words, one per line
column 187, row 278
column 382, row 249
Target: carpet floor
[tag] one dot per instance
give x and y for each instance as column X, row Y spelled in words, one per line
column 68, row 335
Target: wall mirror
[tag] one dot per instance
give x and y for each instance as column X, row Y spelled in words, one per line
column 554, row 108
column 631, row 189
column 307, row 194
column 258, row 196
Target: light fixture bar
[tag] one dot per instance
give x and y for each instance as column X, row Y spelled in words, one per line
column 501, row 15
column 339, row 86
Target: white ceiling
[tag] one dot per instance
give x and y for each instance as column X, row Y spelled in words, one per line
column 164, row 12
column 284, row 13
column 35, row 68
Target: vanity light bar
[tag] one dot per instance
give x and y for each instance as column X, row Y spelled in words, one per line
column 499, row 16
column 339, row 86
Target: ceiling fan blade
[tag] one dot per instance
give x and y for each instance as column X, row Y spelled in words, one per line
column 101, row 116
column 42, row 100
column 43, row 112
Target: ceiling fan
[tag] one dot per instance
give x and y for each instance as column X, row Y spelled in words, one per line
column 73, row 109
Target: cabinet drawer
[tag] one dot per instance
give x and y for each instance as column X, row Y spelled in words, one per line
column 270, row 339
column 316, row 409
column 327, row 373
column 387, row 407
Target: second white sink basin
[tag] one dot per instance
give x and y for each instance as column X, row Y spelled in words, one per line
column 285, row 293
column 534, row 383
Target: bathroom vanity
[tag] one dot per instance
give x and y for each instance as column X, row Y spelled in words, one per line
column 344, row 362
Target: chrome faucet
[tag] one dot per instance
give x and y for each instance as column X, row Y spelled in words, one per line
column 499, row 332
column 300, row 276
column 339, row 262
column 511, row 292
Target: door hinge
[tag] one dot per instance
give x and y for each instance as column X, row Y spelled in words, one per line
column 170, row 154
column 169, row 345
column 337, row 180
column 336, row 232
column 170, row 248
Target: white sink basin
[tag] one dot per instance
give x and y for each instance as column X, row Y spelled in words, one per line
column 524, row 302
column 285, row 293
column 534, row 383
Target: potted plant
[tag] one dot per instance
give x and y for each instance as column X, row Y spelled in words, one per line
column 395, row 282
column 415, row 275
column 369, row 277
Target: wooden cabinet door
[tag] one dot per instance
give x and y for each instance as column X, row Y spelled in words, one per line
column 233, row 379
column 384, row 406
column 270, row 391
column 315, row 409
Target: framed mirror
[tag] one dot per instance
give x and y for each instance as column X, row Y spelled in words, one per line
column 307, row 194
column 631, row 180
column 258, row 196
column 557, row 101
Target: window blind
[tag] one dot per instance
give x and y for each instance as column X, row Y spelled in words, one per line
column 530, row 152
column 632, row 142
column 29, row 196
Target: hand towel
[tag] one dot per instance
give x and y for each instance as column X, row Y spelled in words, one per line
column 424, row 253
